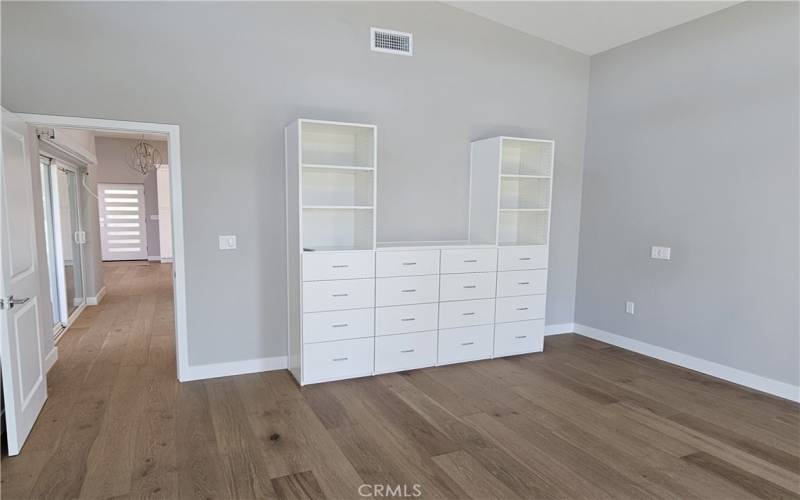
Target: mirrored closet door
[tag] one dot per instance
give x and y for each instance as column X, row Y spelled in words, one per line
column 64, row 237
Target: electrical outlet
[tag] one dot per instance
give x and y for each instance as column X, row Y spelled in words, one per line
column 662, row 253
column 630, row 307
column 227, row 242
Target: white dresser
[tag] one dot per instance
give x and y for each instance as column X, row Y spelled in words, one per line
column 357, row 308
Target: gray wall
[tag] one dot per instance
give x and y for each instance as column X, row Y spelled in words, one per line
column 693, row 143
column 233, row 75
column 112, row 167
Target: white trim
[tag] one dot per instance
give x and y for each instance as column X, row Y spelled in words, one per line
column 50, row 359
column 747, row 379
column 93, row 301
column 213, row 370
column 558, row 329
column 176, row 195
column 158, row 258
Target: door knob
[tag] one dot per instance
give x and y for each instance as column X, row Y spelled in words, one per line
column 9, row 302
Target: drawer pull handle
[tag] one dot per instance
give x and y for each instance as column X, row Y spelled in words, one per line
column 340, row 295
column 467, row 343
column 409, row 290
column 337, row 266
column 523, row 283
column 521, row 337
column 468, row 314
column 524, row 258
column 471, row 260
column 470, row 286
column 340, row 359
column 407, row 319
column 409, row 263
column 407, row 350
column 522, row 309
column 340, row 325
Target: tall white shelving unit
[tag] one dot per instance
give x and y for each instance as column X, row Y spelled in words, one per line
column 358, row 308
column 512, row 179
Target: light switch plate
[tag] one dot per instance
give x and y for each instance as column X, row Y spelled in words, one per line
column 630, row 307
column 662, row 253
column 227, row 242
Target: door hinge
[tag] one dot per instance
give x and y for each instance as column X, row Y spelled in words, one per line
column 46, row 133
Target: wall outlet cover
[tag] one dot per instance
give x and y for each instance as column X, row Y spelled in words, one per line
column 662, row 253
column 630, row 307
column 227, row 242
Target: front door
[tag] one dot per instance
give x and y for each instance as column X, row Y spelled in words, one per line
column 21, row 356
column 123, row 234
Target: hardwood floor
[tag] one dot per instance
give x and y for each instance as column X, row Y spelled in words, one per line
column 582, row 420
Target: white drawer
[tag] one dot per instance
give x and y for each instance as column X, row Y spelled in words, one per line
column 336, row 295
column 406, row 290
column 520, row 308
column 465, row 344
column 395, row 353
column 520, row 258
column 319, row 266
column 337, row 360
column 412, row 263
column 338, row 325
column 511, row 283
column 476, row 260
column 406, row 319
column 468, row 286
column 519, row 337
column 466, row 313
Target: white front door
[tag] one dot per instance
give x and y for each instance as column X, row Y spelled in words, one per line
column 123, row 233
column 21, row 356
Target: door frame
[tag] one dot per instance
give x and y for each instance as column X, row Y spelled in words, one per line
column 174, row 154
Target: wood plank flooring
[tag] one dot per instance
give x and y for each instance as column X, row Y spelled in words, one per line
column 582, row 420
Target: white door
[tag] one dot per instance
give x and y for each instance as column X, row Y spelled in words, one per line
column 123, row 234
column 21, row 356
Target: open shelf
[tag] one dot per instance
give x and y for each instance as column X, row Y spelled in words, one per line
column 338, row 207
column 335, row 144
column 338, row 228
column 338, row 187
column 519, row 176
column 526, row 157
column 524, row 193
column 523, row 227
column 314, row 166
column 524, row 209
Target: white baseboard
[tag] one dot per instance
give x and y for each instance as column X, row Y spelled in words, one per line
column 747, row 379
column 558, row 329
column 214, row 370
column 157, row 258
column 51, row 358
column 93, row 301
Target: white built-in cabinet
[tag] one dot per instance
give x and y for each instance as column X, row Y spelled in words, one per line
column 359, row 308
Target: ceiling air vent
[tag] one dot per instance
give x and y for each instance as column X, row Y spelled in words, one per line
column 393, row 42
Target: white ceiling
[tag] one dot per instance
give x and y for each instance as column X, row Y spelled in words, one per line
column 591, row 27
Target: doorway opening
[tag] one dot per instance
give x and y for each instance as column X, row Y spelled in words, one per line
column 151, row 199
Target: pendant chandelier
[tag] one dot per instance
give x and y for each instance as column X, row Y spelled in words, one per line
column 144, row 157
